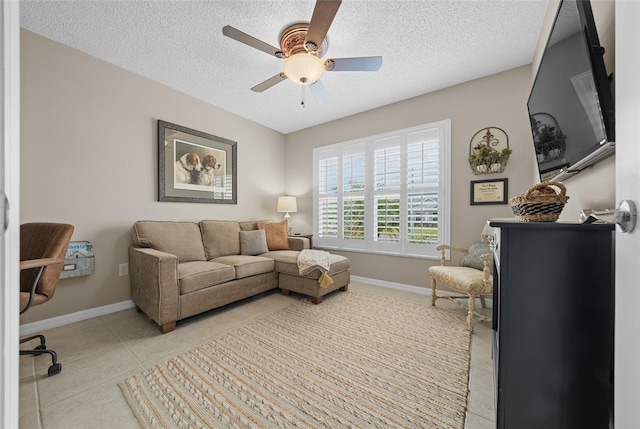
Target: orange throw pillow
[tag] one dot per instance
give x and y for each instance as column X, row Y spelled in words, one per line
column 277, row 235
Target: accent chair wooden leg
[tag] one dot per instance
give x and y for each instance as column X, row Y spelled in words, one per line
column 344, row 288
column 470, row 315
column 285, row 292
column 484, row 304
column 316, row 300
column 433, row 292
column 168, row 327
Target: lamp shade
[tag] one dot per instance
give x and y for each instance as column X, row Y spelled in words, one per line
column 287, row 204
column 487, row 233
column 303, row 68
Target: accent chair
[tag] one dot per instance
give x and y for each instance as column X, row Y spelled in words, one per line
column 473, row 277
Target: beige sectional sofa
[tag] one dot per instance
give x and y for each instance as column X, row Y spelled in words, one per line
column 180, row 269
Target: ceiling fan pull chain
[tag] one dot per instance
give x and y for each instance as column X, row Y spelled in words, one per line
column 302, row 96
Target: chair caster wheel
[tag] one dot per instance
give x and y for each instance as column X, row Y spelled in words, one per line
column 54, row 369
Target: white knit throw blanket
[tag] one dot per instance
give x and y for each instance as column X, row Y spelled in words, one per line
column 309, row 260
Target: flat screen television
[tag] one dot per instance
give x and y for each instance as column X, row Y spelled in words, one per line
column 571, row 105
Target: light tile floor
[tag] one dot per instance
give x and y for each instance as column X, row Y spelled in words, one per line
column 98, row 353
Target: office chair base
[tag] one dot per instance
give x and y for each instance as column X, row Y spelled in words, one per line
column 54, row 369
column 41, row 348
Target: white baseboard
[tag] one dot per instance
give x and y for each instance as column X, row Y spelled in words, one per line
column 54, row 322
column 403, row 287
column 392, row 285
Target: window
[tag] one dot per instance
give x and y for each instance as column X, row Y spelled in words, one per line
column 385, row 194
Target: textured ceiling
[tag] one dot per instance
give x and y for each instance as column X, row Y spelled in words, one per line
column 425, row 45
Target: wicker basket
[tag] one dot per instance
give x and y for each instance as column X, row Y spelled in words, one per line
column 535, row 206
column 494, row 163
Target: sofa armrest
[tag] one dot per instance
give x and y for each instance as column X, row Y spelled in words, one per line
column 154, row 283
column 298, row 243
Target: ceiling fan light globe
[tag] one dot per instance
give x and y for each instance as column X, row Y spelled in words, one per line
column 303, row 68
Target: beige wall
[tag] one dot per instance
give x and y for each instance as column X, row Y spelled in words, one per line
column 89, row 157
column 497, row 100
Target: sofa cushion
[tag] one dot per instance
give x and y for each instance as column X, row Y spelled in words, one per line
column 221, row 238
column 253, row 242
column 464, row 279
column 182, row 239
column 252, row 225
column 277, row 234
column 198, row 275
column 247, row 266
column 287, row 262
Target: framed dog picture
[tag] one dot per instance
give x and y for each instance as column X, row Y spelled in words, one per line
column 195, row 167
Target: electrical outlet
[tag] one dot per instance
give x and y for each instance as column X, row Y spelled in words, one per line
column 123, row 270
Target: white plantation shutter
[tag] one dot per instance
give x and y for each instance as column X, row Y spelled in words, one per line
column 422, row 218
column 328, row 212
column 353, row 167
column 423, row 172
column 353, row 218
column 353, row 192
column 327, row 202
column 385, row 194
column 387, row 160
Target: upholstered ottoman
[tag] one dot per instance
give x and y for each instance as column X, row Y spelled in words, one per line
column 291, row 280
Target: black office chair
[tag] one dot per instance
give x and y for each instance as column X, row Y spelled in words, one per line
column 43, row 247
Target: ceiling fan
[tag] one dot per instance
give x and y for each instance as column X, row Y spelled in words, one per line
column 301, row 46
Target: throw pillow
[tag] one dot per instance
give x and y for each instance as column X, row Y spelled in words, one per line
column 473, row 257
column 253, row 242
column 277, row 234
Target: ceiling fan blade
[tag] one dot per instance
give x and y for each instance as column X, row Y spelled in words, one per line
column 241, row 37
column 272, row 81
column 353, row 64
column 319, row 92
column 323, row 14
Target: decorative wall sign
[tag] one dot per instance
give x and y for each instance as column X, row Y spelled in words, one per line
column 493, row 191
column 489, row 151
column 195, row 167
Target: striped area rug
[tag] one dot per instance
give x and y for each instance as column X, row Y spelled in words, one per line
column 355, row 361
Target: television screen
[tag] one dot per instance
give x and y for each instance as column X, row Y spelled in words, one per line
column 571, row 104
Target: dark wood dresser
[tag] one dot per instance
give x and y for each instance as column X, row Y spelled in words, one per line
column 553, row 315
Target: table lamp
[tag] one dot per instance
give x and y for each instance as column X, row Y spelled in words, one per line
column 285, row 205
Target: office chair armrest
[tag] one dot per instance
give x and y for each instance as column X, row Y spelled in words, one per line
column 37, row 263
column 41, row 263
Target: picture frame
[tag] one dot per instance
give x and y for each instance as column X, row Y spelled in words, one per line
column 492, row 191
column 195, row 167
